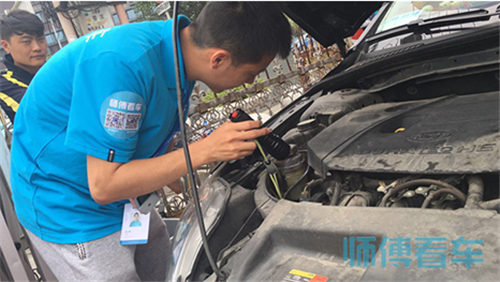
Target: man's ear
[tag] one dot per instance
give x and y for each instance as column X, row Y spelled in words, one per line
column 5, row 45
column 220, row 58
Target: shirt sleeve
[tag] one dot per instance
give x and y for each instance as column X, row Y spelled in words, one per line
column 108, row 107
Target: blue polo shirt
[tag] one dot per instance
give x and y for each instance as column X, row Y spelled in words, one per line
column 109, row 94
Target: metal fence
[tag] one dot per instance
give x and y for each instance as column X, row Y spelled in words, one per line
column 281, row 83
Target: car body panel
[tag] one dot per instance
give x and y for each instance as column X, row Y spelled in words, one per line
column 330, row 22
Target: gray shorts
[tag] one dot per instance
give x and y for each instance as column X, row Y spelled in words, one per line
column 105, row 259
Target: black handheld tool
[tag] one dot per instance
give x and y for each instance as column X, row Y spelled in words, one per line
column 271, row 143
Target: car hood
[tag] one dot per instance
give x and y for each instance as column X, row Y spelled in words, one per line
column 330, row 22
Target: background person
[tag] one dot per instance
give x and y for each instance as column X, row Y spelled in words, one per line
column 26, row 47
column 99, row 137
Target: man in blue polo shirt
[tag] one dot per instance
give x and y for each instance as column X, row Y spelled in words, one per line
column 90, row 129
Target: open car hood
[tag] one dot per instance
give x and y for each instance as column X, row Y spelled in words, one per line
column 330, row 22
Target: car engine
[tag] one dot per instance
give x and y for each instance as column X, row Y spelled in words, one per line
column 351, row 149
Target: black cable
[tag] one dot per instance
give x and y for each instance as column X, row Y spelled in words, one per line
column 182, row 126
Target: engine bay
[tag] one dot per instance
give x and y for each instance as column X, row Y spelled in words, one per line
column 354, row 158
column 404, row 154
column 352, row 148
column 417, row 135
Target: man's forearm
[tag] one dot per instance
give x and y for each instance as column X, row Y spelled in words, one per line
column 109, row 182
column 139, row 177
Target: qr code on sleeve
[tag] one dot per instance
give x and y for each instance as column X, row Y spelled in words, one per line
column 114, row 119
column 132, row 121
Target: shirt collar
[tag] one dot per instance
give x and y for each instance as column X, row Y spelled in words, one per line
column 168, row 54
column 18, row 72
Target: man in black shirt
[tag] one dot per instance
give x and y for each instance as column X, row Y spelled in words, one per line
column 24, row 41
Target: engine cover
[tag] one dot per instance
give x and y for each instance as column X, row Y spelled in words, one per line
column 310, row 237
column 452, row 134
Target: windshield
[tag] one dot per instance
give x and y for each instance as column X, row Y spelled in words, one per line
column 402, row 13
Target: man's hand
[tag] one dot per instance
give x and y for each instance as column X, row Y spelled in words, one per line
column 232, row 140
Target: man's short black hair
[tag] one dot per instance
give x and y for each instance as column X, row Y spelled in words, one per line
column 19, row 22
column 247, row 30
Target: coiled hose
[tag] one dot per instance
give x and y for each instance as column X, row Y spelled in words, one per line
column 455, row 192
column 417, row 182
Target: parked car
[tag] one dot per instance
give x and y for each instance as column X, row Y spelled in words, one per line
column 393, row 171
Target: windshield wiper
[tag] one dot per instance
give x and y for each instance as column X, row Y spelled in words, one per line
column 425, row 25
column 459, row 14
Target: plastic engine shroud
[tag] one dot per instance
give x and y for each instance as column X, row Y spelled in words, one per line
column 452, row 134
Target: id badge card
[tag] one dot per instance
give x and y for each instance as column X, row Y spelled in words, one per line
column 135, row 226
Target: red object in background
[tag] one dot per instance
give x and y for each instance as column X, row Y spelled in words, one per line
column 358, row 33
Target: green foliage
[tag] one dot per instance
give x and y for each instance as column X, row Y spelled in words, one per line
column 296, row 29
column 210, row 96
column 189, row 8
column 147, row 10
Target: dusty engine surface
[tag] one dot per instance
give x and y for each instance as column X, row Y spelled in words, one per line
column 451, row 134
column 351, row 150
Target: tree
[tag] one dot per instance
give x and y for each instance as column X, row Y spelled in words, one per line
column 189, row 8
column 147, row 11
column 296, row 29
